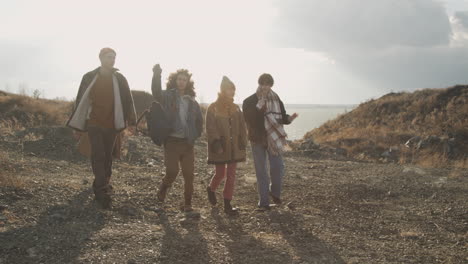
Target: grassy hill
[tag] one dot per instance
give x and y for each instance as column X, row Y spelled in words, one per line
column 18, row 112
column 427, row 127
column 142, row 101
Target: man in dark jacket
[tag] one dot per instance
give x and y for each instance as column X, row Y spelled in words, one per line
column 103, row 108
column 265, row 116
column 186, row 121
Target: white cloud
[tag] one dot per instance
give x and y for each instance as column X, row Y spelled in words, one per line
column 342, row 24
column 395, row 44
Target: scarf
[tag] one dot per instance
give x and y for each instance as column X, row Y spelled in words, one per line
column 225, row 105
column 276, row 135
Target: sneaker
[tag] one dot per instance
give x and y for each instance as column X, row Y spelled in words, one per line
column 263, row 208
column 276, row 200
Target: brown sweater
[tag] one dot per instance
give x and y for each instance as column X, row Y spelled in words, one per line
column 102, row 103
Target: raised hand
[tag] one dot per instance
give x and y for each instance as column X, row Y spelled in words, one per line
column 263, row 92
column 294, row 116
column 157, row 69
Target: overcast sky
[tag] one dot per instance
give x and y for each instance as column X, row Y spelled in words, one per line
column 321, row 52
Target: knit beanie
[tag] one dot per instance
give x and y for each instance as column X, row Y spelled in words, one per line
column 226, row 83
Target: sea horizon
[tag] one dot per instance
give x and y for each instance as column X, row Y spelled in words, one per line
column 312, row 116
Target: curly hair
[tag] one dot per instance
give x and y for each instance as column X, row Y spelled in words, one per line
column 172, row 82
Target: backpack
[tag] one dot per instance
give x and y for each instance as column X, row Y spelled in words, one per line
column 157, row 123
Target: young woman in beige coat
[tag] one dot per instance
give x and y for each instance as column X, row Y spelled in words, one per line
column 227, row 139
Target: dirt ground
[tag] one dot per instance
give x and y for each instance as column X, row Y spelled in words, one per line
column 334, row 211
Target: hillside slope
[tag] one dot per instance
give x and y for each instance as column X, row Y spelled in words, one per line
column 423, row 127
column 18, row 112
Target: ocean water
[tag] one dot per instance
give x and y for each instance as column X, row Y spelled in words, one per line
column 312, row 116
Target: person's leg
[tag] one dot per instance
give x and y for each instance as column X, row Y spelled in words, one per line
column 187, row 162
column 98, row 156
column 171, row 161
column 230, row 181
column 263, row 181
column 98, row 159
column 276, row 174
column 220, row 173
column 229, row 189
column 109, row 141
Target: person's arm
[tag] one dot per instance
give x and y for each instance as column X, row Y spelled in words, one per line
column 210, row 125
column 249, row 111
column 242, row 133
column 81, row 89
column 199, row 118
column 79, row 95
column 286, row 118
column 214, row 138
column 156, row 87
column 130, row 113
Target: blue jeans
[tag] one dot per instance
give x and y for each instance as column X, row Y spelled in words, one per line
column 260, row 154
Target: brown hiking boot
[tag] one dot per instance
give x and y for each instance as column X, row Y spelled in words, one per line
column 186, row 208
column 187, row 205
column 162, row 192
column 211, row 196
column 104, row 200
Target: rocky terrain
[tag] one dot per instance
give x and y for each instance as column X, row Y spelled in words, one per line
column 335, row 210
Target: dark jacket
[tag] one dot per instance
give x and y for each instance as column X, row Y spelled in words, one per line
column 159, row 127
column 168, row 100
column 124, row 109
column 255, row 119
column 225, row 131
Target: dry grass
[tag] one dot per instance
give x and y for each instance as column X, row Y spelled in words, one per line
column 434, row 160
column 411, row 234
column 461, row 164
column 458, row 173
column 10, row 181
column 391, row 120
column 18, row 112
column 8, row 172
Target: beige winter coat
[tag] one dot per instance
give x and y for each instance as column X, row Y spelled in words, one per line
column 226, row 133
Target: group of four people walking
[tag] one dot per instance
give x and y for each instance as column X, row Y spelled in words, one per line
column 104, row 107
